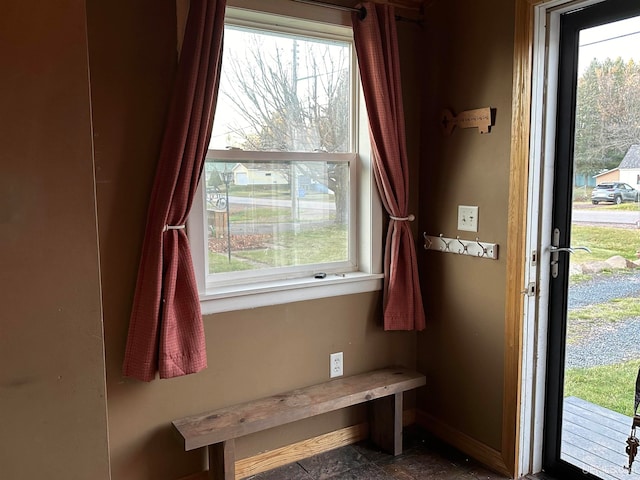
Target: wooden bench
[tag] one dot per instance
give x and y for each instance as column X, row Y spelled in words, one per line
column 383, row 389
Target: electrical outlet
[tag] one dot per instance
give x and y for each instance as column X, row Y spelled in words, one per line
column 335, row 362
column 467, row 218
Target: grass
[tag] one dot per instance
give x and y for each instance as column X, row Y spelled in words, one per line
column 614, row 311
column 219, row 263
column 582, row 204
column 604, row 242
column 295, row 244
column 632, row 207
column 581, row 277
column 304, row 248
column 261, row 215
column 610, row 386
column 260, row 191
column 281, row 192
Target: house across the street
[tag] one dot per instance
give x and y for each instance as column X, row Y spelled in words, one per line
column 628, row 171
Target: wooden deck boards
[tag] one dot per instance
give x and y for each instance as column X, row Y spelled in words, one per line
column 594, row 439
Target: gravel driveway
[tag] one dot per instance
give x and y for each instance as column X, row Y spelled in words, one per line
column 611, row 342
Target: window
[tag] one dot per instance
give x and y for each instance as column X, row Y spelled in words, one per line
column 286, row 208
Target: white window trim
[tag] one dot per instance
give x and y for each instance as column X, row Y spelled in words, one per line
column 368, row 274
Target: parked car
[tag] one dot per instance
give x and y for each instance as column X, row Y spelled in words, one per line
column 614, row 192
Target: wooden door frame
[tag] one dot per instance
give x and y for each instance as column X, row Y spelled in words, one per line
column 524, row 377
column 516, row 230
column 517, row 255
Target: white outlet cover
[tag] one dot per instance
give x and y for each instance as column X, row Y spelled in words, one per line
column 468, row 218
column 335, row 365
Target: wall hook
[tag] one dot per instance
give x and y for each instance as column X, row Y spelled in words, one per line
column 482, row 247
column 464, row 246
column 427, row 241
column 446, row 244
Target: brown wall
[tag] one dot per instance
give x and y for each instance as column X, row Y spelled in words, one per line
column 52, row 393
column 468, row 64
column 52, row 390
column 251, row 353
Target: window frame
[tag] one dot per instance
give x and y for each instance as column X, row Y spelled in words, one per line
column 365, row 208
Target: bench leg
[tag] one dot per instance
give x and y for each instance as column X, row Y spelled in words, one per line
column 222, row 461
column 385, row 420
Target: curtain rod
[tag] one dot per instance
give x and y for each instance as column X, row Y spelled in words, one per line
column 318, row 3
column 361, row 11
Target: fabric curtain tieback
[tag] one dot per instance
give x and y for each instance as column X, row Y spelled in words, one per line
column 410, row 218
column 376, row 43
column 166, row 333
column 173, row 227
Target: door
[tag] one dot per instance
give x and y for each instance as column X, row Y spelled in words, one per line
column 593, row 329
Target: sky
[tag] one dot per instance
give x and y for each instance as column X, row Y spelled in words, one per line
column 242, row 43
column 617, row 39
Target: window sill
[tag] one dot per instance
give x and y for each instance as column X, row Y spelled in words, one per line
column 241, row 297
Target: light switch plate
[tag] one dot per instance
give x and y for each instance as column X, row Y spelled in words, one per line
column 468, row 218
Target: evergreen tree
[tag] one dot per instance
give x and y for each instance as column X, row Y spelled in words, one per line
column 607, row 114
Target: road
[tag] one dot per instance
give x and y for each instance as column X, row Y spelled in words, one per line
column 580, row 215
column 589, row 214
column 270, row 202
column 594, row 215
column 311, row 213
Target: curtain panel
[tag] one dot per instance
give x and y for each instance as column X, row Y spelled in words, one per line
column 166, row 334
column 376, row 45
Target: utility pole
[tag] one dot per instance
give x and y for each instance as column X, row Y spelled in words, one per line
column 295, row 204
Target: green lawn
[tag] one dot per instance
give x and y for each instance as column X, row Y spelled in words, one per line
column 319, row 245
column 281, row 192
column 219, row 263
column 261, row 215
column 610, row 386
column 614, row 311
column 308, row 246
column 632, row 207
column 604, row 242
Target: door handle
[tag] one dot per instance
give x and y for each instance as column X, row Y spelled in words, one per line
column 555, row 251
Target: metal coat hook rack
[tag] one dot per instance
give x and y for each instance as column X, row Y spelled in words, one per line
column 459, row 246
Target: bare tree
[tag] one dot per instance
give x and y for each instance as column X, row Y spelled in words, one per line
column 294, row 100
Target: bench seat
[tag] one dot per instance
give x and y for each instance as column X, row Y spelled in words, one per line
column 383, row 389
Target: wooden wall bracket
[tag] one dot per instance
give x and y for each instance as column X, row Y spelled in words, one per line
column 481, row 118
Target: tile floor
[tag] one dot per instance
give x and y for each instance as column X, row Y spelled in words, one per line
column 424, row 457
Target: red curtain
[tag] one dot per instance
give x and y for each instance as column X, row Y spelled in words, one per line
column 377, row 50
column 166, row 334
